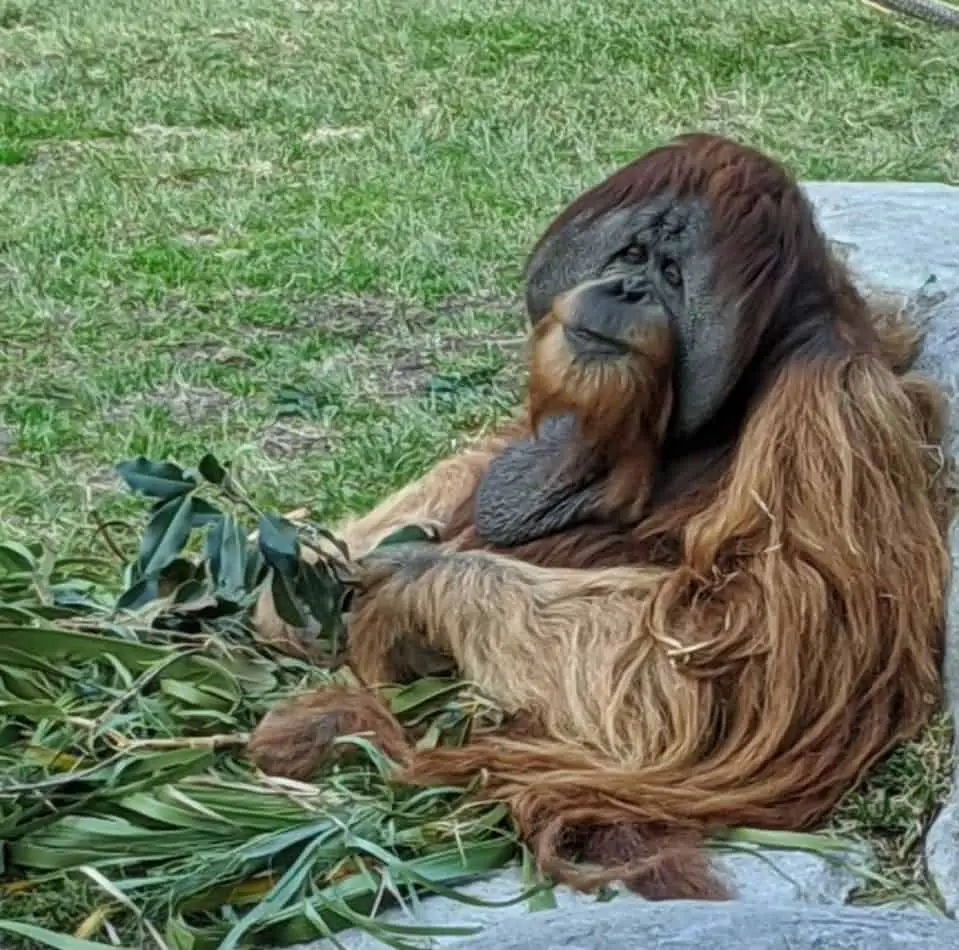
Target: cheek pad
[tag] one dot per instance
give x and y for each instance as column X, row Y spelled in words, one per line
column 704, row 358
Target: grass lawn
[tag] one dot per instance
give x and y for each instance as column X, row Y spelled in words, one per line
column 290, row 232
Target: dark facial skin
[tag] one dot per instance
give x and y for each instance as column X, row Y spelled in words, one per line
column 661, row 251
column 603, row 318
column 622, row 273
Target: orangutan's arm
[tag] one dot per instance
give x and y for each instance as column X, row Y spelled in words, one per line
column 481, row 608
column 429, row 501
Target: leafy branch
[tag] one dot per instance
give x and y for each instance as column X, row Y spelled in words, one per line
column 229, row 571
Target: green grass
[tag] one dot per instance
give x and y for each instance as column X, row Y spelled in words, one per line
column 291, row 232
column 203, row 203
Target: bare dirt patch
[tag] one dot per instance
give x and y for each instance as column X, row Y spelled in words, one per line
column 185, row 404
column 355, row 317
column 395, row 347
column 210, row 351
column 399, row 368
column 400, row 377
column 285, row 440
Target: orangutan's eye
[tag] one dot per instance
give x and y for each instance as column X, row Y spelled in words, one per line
column 636, row 253
column 671, row 272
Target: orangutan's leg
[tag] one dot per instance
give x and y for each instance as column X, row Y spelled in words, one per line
column 294, row 739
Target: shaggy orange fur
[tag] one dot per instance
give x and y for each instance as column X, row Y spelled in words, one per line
column 740, row 648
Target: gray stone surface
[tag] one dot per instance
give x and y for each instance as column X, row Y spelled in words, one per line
column 900, row 238
column 683, row 925
column 905, row 238
column 769, row 878
column 941, row 359
column 777, row 877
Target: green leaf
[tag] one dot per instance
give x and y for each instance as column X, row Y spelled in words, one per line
column 425, row 692
column 192, row 695
column 179, row 571
column 155, row 479
column 284, row 599
column 189, row 592
column 36, row 645
column 47, row 938
column 113, row 764
column 544, row 899
column 178, row 936
column 140, row 594
column 279, row 544
column 782, row 840
column 285, row 889
column 165, row 535
column 256, row 569
column 322, row 594
column 152, row 769
column 437, row 872
column 204, row 513
column 212, row 470
column 16, row 557
column 225, row 550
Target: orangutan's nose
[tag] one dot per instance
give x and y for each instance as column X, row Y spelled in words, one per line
column 634, row 288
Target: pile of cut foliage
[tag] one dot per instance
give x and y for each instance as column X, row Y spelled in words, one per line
column 129, row 815
column 127, row 808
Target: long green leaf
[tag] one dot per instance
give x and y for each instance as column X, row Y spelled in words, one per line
column 284, row 599
column 225, row 550
column 279, row 544
column 155, row 479
column 47, row 938
column 16, row 558
column 290, row 884
column 165, row 535
column 211, row 469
